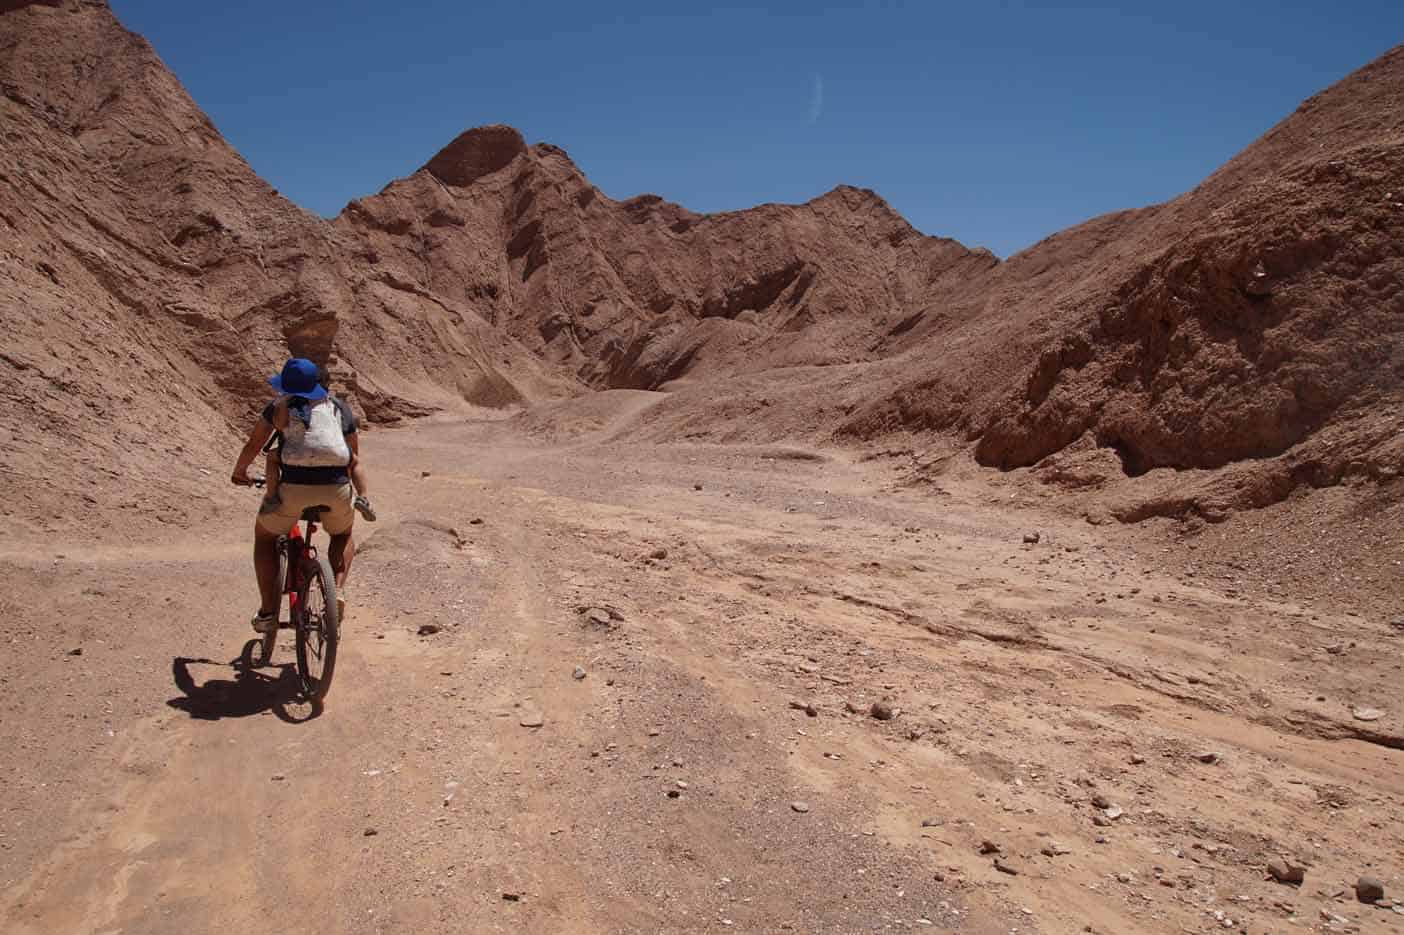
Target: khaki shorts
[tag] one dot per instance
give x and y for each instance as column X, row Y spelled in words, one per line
column 337, row 498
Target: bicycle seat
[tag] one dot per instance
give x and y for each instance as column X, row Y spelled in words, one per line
column 313, row 514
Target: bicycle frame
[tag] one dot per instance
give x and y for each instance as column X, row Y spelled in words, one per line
column 297, row 544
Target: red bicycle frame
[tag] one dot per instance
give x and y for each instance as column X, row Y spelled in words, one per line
column 298, row 545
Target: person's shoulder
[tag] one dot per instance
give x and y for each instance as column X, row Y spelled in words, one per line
column 348, row 418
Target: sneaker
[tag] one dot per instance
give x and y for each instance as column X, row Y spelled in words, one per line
column 363, row 506
column 265, row 623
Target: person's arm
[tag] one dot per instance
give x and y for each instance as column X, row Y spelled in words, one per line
column 358, row 472
column 257, row 439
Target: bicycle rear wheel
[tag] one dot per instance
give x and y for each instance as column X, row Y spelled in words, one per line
column 317, row 627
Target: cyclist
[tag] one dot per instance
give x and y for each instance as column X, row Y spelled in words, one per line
column 277, row 414
column 320, row 442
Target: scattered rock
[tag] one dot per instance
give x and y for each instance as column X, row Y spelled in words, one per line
column 1101, row 801
column 1032, row 538
column 882, row 711
column 602, row 617
column 1113, row 813
column 1101, row 821
column 76, row 652
column 696, row 486
column 1137, row 759
column 428, row 629
column 475, row 521
column 852, row 708
column 800, row 807
column 277, row 777
column 1367, row 714
column 423, row 473
column 681, row 784
column 512, row 897
column 932, row 822
column 1207, row 756
column 1003, row 867
column 1369, row 890
column 579, row 673
column 1284, row 871
column 989, row 847
column 370, row 832
column 1124, row 878
column 807, row 707
column 1055, row 850
column 531, row 719
column 658, row 554
column 674, row 793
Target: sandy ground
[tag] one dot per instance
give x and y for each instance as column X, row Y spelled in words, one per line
column 1136, row 744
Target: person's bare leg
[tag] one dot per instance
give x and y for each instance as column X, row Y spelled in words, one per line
column 266, row 567
column 341, row 553
column 358, row 478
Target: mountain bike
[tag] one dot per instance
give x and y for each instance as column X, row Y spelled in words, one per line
column 305, row 576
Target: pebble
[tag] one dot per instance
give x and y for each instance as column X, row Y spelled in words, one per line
column 579, row 673
column 1208, row 756
column 1123, row 878
column 989, row 847
column 932, row 822
column 1003, row 867
column 1101, row 801
column 1367, row 714
column 1137, row 759
column 428, row 629
column 370, row 832
column 882, row 711
column 1032, row 538
column 423, row 473
column 531, row 719
column 658, row 554
column 800, row 807
column 1055, row 850
column 277, row 777
column 1369, row 890
column 673, row 793
column 76, row 652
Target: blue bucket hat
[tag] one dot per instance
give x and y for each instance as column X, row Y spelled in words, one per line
column 299, row 378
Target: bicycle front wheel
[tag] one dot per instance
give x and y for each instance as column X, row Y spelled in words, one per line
column 317, row 627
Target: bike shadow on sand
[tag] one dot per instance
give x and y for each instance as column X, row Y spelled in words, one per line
column 252, row 690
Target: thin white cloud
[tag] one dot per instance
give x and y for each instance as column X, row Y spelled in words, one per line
column 816, row 99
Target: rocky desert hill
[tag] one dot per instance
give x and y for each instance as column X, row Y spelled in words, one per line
column 1253, row 324
column 777, row 570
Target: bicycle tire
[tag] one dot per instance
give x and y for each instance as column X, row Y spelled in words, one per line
column 317, row 628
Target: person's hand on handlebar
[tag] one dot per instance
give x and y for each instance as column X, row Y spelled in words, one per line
column 242, row 479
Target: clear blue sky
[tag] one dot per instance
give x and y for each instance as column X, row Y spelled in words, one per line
column 996, row 122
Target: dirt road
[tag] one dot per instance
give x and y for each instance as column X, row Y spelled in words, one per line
column 1128, row 748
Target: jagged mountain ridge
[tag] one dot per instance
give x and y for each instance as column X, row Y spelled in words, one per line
column 1195, row 334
